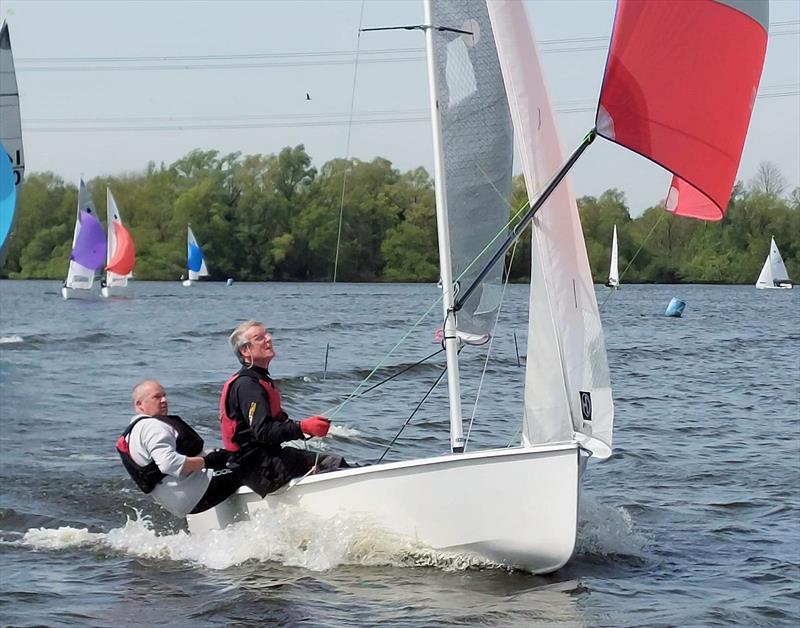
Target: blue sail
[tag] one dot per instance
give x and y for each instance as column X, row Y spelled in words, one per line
column 8, row 202
column 195, row 257
column 13, row 170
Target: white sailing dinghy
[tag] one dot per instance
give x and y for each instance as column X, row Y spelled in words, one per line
column 121, row 255
column 516, row 506
column 613, row 271
column 11, row 171
column 195, row 261
column 773, row 274
column 88, row 250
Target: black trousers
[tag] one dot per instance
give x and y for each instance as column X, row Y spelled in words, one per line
column 268, row 471
column 223, row 484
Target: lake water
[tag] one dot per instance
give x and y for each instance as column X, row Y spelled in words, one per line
column 694, row 521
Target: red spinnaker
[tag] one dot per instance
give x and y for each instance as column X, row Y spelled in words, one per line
column 680, row 83
column 124, row 253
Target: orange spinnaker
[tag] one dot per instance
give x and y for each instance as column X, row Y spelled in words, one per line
column 124, row 252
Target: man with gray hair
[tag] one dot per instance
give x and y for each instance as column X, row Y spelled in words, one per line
column 165, row 457
column 254, row 424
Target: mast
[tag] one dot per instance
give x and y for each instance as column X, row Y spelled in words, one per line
column 448, row 295
column 112, row 240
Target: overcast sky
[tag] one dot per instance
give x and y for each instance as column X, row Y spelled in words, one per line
column 108, row 86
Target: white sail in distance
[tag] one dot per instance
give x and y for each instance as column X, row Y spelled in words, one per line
column 774, row 270
column 613, row 271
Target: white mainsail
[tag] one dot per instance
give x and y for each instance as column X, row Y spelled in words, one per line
column 774, row 273
column 568, row 388
column 478, row 152
column 613, row 271
column 473, row 154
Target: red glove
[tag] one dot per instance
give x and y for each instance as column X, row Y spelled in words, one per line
column 315, row 426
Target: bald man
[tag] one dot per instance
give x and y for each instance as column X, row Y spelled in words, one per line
column 165, row 457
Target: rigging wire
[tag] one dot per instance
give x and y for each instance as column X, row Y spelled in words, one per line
column 346, row 167
column 347, row 143
column 301, row 410
column 338, row 407
column 411, row 416
column 398, row 373
column 489, row 348
column 499, row 308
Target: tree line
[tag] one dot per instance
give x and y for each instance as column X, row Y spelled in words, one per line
column 277, row 217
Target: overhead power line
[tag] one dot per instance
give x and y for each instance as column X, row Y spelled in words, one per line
column 302, row 58
column 603, row 39
column 289, row 120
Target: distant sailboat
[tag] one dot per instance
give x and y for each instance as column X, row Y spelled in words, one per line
column 773, row 274
column 11, row 171
column 121, row 254
column 613, row 272
column 195, row 262
column 88, row 250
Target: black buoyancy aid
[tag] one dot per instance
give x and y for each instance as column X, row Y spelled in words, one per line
column 188, row 443
column 231, row 430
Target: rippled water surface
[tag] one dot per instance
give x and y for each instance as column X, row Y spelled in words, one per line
column 695, row 520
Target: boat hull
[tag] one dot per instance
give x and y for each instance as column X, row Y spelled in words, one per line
column 115, row 291
column 516, row 507
column 779, row 286
column 186, row 283
column 78, row 293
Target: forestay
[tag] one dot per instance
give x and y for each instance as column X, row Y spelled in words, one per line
column 478, row 150
column 568, row 390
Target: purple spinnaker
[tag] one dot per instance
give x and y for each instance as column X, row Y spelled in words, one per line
column 90, row 247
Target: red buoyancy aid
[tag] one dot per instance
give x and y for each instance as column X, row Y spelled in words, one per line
column 228, row 424
column 188, row 442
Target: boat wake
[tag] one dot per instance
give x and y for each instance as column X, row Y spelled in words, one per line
column 289, row 536
column 295, row 538
column 607, row 532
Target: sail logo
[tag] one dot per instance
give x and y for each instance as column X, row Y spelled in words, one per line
column 586, row 405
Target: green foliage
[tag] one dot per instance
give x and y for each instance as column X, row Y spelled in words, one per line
column 262, row 217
